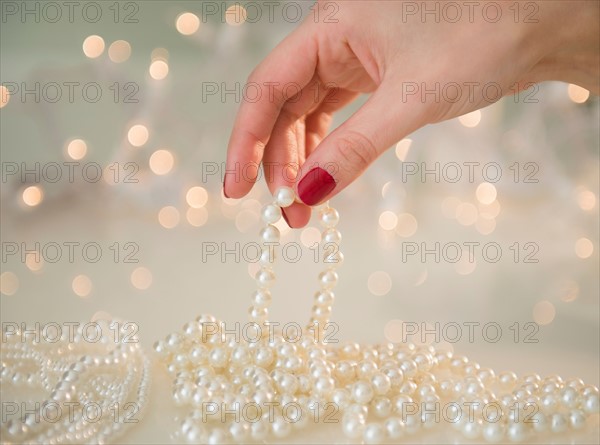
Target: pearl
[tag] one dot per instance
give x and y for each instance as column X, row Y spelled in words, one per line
column 265, row 278
column 382, row 407
column 270, row 234
column 558, row 423
column 394, row 427
column 328, row 279
column 329, row 217
column 261, row 298
column 271, row 213
column 353, row 425
column 591, row 403
column 374, row 433
column 331, row 236
column 284, row 196
column 362, row 392
column 577, row 419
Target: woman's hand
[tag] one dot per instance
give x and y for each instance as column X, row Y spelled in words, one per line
column 419, row 68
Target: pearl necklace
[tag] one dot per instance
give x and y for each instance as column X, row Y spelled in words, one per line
column 97, row 385
column 240, row 390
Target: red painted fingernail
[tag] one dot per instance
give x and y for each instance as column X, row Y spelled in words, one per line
column 285, row 218
column 315, row 186
column 224, row 189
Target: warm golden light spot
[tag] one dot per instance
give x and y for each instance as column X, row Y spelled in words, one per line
column 168, row 217
column 584, row 248
column 385, row 188
column 490, row 211
column 161, row 162
column 393, row 331
column 33, row 195
column 449, row 206
column 101, row 316
column 235, row 15
column 406, row 225
column 402, row 148
column 421, row 278
column 82, row 286
column 187, row 23
column 486, row 193
column 93, row 46
column 159, row 69
column 466, row 214
column 388, row 220
column 119, row 51
column 141, row 278
column 9, row 283
column 77, row 149
column 34, row 261
column 578, row 94
column 196, row 217
column 310, row 236
column 4, row 96
column 138, row 135
column 470, row 120
column 196, row 197
column 586, row 199
column 379, row 283
column 544, row 312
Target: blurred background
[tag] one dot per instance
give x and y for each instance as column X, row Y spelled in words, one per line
column 116, row 106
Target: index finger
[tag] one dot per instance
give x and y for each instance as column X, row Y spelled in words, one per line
column 288, row 69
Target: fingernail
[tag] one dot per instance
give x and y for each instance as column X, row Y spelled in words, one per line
column 224, row 189
column 315, row 186
column 285, row 218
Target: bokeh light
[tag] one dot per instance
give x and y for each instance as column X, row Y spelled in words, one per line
column 168, row 217
column 449, row 206
column 406, row 225
column 196, row 197
column 161, row 162
column 4, row 96
column 82, row 286
column 393, row 331
column 34, row 261
column 465, row 265
column 119, row 51
column 9, row 283
column 586, row 199
column 235, row 15
column 33, row 195
column 577, row 94
column 77, row 149
column 138, row 135
column 584, row 248
column 402, row 148
column 379, row 283
column 310, row 236
column 187, row 23
column 388, row 220
column 141, row 278
column 544, row 312
column 159, row 69
column 93, row 46
column 486, row 193
column 470, row 120
column 485, row 226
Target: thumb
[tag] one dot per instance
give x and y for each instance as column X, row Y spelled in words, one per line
column 345, row 154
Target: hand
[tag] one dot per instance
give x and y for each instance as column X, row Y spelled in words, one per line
column 378, row 47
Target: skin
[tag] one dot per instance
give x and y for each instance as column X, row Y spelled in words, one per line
column 371, row 49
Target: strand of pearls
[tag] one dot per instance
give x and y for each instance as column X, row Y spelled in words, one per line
column 377, row 393
column 97, row 389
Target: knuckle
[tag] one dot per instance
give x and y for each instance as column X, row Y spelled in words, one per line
column 357, row 150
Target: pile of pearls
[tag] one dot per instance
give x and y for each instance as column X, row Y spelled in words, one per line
column 375, row 393
column 95, row 389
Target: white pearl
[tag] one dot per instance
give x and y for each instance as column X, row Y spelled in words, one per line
column 362, row 392
column 265, row 278
column 267, row 256
column 353, row 425
column 261, row 298
column 271, row 213
column 558, row 423
column 281, row 427
column 270, row 234
column 493, row 432
column 341, row 397
column 218, row 357
column 591, row 403
column 240, row 431
column 381, row 383
column 329, row 217
column 394, row 427
column 328, row 279
column 517, row 432
column 331, row 236
column 374, row 433
column 577, row 419
column 284, row 196
column 382, row 407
